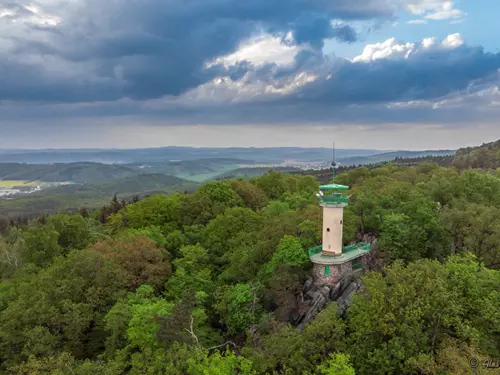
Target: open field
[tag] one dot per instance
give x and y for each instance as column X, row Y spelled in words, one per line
column 12, row 183
column 8, row 184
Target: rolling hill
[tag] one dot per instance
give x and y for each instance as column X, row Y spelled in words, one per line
column 73, row 197
column 196, row 170
column 486, row 156
column 388, row 156
column 73, row 172
column 252, row 172
column 90, row 172
column 138, row 184
column 7, row 169
column 168, row 154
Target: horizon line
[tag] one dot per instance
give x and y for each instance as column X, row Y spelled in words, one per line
column 213, row 147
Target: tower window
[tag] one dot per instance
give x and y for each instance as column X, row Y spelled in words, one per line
column 328, row 229
column 341, row 222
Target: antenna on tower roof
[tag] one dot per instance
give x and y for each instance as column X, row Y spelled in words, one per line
column 334, row 164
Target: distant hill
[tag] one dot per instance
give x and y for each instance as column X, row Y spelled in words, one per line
column 168, row 154
column 388, row 156
column 144, row 184
column 90, row 172
column 196, row 170
column 7, row 169
column 253, row 172
column 486, row 156
column 72, row 172
column 324, row 176
column 73, row 197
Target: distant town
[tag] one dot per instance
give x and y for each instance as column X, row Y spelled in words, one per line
column 305, row 165
column 7, row 193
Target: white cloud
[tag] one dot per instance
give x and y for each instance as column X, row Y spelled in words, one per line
column 388, row 49
column 27, row 12
column 455, row 22
column 392, row 49
column 446, row 12
column 417, row 22
column 261, row 50
column 434, row 9
column 223, row 91
column 453, row 41
column 429, row 42
column 6, row 12
column 422, row 6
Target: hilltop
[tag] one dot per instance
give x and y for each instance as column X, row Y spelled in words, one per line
column 486, row 156
column 74, row 172
column 388, row 156
column 91, row 172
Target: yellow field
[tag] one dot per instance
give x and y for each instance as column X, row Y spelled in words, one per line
column 11, row 183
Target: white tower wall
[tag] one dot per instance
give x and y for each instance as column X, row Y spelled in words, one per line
column 332, row 230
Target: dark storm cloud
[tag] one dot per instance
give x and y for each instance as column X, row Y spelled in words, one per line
column 425, row 74
column 142, row 49
column 355, row 93
column 315, row 28
column 111, row 58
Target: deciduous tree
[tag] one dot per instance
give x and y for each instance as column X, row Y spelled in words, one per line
column 142, row 260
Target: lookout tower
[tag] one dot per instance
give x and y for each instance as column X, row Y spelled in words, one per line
column 331, row 259
column 333, row 202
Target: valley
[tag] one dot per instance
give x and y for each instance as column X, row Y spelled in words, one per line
column 41, row 186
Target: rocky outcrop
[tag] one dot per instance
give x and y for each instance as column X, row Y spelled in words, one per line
column 344, row 299
column 313, row 298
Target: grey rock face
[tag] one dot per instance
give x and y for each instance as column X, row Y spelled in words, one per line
column 307, row 284
column 316, row 306
column 325, row 291
column 345, row 299
column 313, row 299
column 335, row 292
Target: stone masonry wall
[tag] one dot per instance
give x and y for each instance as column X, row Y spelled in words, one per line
column 321, row 279
column 334, row 275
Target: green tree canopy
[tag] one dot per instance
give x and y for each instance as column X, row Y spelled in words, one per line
column 141, row 259
column 238, row 306
column 60, row 308
column 337, row 364
column 218, row 364
column 399, row 321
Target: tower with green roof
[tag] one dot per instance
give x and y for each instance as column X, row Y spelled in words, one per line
column 332, row 260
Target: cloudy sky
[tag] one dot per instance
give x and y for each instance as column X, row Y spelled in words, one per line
column 385, row 74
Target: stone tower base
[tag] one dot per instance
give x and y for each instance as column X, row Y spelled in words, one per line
column 331, row 274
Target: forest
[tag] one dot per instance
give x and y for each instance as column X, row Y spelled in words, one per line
column 205, row 283
column 83, row 183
